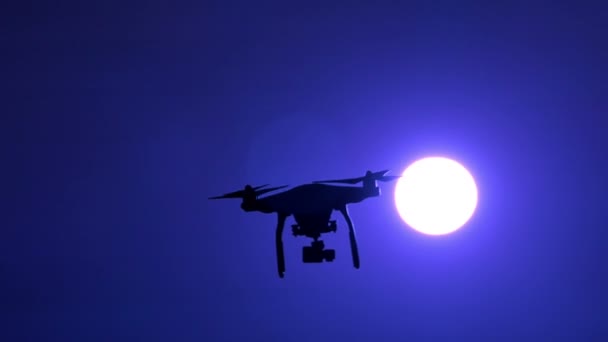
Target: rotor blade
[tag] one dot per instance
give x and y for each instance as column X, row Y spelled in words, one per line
column 345, row 180
column 373, row 175
column 236, row 194
column 263, row 191
column 379, row 173
column 261, row 186
column 388, row 178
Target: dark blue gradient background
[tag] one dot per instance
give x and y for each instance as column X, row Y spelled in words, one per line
column 120, row 119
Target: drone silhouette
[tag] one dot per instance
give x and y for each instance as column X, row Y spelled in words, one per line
column 311, row 206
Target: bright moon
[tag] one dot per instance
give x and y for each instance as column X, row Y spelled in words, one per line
column 436, row 196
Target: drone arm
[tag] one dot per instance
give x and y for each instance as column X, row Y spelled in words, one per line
column 279, row 244
column 344, row 181
column 352, row 236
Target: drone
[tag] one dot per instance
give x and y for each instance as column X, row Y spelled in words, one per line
column 311, row 206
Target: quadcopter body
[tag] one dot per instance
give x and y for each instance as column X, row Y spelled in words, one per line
column 311, row 206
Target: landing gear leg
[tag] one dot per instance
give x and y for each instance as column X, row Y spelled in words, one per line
column 352, row 236
column 279, row 244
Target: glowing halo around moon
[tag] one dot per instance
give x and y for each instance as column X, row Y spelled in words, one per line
column 436, row 196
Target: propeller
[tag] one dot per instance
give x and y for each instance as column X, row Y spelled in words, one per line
column 249, row 191
column 374, row 176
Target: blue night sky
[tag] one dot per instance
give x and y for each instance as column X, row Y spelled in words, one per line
column 121, row 119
